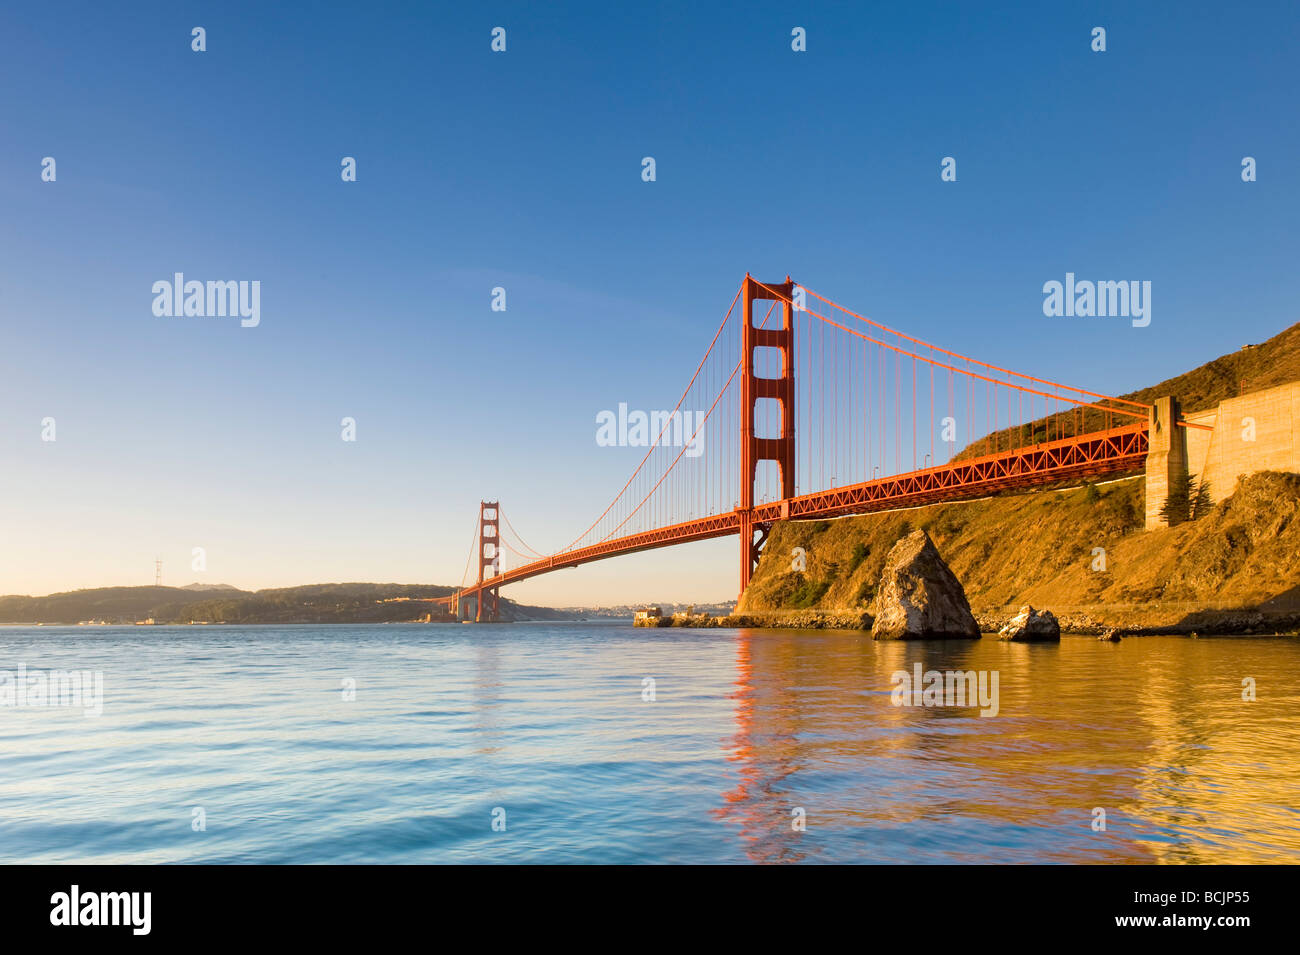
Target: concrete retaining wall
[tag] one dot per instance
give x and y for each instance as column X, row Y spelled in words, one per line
column 1253, row 432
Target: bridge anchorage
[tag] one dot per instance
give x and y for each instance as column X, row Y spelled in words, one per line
column 885, row 421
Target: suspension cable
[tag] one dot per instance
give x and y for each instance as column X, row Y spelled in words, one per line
column 974, row 374
column 655, row 443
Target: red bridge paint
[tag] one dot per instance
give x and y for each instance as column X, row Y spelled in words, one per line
column 1120, row 444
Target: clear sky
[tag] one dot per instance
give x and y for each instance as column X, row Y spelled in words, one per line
column 522, row 169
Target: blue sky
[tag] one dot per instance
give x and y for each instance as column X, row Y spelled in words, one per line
column 522, row 169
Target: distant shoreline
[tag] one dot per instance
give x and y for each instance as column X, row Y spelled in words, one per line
column 295, row 623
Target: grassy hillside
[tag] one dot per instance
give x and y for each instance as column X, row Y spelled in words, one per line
column 1039, row 548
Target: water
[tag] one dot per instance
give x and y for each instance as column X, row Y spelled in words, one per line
column 547, row 722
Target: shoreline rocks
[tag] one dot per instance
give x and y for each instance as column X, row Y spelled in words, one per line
column 1032, row 626
column 919, row 597
column 861, row 621
column 782, row 620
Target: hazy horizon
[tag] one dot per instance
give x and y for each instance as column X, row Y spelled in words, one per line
column 199, row 587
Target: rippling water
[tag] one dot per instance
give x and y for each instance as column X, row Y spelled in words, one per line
column 548, row 723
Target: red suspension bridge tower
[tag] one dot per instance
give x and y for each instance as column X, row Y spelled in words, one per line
column 489, row 558
column 754, row 448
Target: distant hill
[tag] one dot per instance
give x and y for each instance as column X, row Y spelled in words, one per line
column 115, row 604
column 313, row 603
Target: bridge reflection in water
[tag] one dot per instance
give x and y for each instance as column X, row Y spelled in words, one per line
column 601, row 743
column 1152, row 731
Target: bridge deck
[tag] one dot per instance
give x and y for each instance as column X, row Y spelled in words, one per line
column 1102, row 452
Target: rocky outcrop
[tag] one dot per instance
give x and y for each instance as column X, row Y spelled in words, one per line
column 787, row 619
column 806, row 619
column 919, row 597
column 1031, row 626
column 1237, row 569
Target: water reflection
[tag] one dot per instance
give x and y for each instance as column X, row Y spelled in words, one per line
column 1154, row 732
column 487, row 697
column 549, row 723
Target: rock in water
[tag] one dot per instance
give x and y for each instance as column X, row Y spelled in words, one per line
column 919, row 597
column 1031, row 625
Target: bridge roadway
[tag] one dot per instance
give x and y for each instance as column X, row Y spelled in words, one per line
column 1101, row 452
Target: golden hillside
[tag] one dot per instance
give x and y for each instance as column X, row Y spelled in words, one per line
column 1039, row 548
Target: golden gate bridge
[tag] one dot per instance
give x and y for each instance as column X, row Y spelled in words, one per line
column 884, row 421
